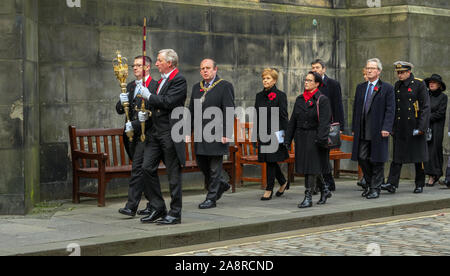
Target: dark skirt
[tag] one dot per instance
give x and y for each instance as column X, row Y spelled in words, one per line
column 310, row 158
column 435, row 150
column 279, row 156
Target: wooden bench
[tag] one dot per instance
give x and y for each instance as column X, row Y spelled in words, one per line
column 100, row 154
column 247, row 155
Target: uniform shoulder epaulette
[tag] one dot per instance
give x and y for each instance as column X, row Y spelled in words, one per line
column 418, row 79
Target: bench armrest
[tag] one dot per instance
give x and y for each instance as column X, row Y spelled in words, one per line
column 78, row 154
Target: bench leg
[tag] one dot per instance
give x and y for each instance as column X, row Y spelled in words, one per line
column 76, row 189
column 337, row 168
column 101, row 191
column 239, row 174
column 291, row 176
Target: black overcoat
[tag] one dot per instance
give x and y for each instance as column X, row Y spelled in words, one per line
column 332, row 89
column 135, row 102
column 172, row 95
column 221, row 96
column 310, row 133
column 409, row 148
column 438, row 102
column 280, row 101
column 381, row 116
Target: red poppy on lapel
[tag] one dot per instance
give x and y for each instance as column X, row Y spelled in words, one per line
column 375, row 89
column 409, row 90
column 321, row 85
column 201, row 90
column 310, row 103
column 272, row 96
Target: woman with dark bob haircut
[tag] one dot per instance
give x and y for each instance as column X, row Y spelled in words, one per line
column 309, row 126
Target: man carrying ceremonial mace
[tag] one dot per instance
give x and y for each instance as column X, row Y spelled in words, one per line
column 136, row 149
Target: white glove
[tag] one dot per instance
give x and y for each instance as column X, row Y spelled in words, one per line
column 448, row 133
column 144, row 92
column 143, row 116
column 123, row 98
column 128, row 127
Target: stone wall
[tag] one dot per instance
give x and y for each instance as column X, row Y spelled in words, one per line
column 59, row 60
column 19, row 108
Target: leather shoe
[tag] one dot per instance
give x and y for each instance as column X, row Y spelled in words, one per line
column 389, row 187
column 168, row 220
column 207, row 204
column 418, row 190
column 223, row 188
column 127, row 212
column 145, row 212
column 374, row 193
column 154, row 215
column 446, row 183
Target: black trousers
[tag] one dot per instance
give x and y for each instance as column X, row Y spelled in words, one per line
column 211, row 167
column 274, row 171
column 373, row 171
column 161, row 148
column 137, row 186
column 396, row 169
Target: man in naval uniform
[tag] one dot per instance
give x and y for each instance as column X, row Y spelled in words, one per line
column 412, row 115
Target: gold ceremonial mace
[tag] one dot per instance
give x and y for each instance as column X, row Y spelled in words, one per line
column 121, row 71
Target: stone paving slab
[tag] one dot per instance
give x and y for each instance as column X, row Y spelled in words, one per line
column 103, row 231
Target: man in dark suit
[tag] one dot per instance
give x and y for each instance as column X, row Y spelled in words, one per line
column 373, row 118
column 214, row 92
column 171, row 93
column 412, row 118
column 135, row 149
column 332, row 89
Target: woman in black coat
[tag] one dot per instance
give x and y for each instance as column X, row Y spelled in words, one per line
column 438, row 103
column 309, row 126
column 270, row 98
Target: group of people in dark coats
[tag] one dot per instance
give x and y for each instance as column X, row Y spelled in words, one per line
column 409, row 113
column 404, row 112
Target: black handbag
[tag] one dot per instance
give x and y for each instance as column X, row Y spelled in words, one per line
column 334, row 137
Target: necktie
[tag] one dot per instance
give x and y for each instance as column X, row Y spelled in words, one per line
column 164, row 78
column 207, row 85
column 368, row 97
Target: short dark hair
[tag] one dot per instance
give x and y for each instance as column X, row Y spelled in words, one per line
column 317, row 77
column 321, row 62
column 148, row 60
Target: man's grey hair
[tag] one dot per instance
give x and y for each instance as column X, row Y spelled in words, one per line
column 170, row 56
column 377, row 61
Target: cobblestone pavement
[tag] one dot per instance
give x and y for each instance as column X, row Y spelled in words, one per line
column 427, row 235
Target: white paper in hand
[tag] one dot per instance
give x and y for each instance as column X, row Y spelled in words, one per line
column 280, row 136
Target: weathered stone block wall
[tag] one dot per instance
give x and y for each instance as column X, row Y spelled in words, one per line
column 19, row 108
column 55, row 64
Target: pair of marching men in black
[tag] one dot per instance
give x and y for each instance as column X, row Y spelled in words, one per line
column 161, row 98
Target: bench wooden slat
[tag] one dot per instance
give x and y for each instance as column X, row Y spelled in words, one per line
column 106, row 144
column 82, row 148
column 114, row 148
column 90, row 149
column 122, row 149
